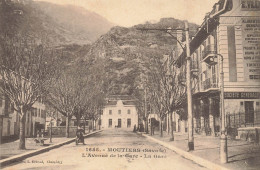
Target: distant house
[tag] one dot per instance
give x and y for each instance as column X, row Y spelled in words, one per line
column 121, row 114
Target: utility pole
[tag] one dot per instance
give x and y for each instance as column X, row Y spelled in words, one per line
column 189, row 95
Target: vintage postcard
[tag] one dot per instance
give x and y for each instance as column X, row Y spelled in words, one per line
column 129, row 84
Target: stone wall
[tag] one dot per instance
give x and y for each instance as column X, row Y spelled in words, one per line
column 61, row 130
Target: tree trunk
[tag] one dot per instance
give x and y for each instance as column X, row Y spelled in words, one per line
column 51, row 132
column 93, row 125
column 151, row 126
column 78, row 120
column 22, row 131
column 169, row 123
column 89, row 124
column 172, row 135
column 67, row 127
column 146, row 125
column 161, row 127
column 1, row 128
column 84, row 126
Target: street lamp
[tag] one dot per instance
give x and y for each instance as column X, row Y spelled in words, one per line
column 223, row 137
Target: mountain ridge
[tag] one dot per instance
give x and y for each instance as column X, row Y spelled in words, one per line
column 127, row 49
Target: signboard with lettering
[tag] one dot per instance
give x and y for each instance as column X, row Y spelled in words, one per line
column 242, row 95
column 250, row 5
column 251, row 48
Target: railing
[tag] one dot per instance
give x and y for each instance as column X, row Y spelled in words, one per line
column 240, row 119
column 209, row 49
column 210, row 83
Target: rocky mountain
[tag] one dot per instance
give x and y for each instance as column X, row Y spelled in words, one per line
column 62, row 24
column 126, row 50
column 72, row 30
column 75, row 23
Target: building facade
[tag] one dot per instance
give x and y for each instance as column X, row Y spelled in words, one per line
column 231, row 30
column 121, row 114
column 10, row 120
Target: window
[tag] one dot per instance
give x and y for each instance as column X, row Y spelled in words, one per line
column 119, row 123
column 34, row 112
column 109, row 122
column 128, row 123
column 43, row 114
column 128, row 111
column 119, row 111
column 110, row 112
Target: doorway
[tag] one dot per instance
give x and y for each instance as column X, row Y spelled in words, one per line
column 249, row 112
column 119, row 123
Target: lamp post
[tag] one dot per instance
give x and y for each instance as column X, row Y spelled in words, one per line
column 189, row 95
column 223, row 138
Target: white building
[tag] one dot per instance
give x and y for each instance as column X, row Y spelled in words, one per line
column 119, row 114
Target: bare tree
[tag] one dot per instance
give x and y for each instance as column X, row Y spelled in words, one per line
column 74, row 91
column 25, row 71
column 64, row 95
column 53, row 115
column 163, row 88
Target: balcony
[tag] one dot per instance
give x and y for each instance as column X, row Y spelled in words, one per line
column 209, row 50
column 210, row 83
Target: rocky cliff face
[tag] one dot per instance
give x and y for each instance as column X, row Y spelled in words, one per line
column 126, row 50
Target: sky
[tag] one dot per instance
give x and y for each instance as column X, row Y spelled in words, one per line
column 131, row 12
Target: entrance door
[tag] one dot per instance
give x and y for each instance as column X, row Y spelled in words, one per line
column 249, row 112
column 119, row 123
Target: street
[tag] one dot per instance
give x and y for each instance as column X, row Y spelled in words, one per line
column 114, row 149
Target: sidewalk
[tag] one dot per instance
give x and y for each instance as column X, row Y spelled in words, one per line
column 11, row 148
column 241, row 154
column 10, row 152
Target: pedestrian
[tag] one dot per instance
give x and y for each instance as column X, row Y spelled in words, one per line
column 134, row 128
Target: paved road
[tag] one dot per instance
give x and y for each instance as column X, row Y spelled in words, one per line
column 115, row 150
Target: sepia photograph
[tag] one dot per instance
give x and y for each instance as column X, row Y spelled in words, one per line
column 130, row 84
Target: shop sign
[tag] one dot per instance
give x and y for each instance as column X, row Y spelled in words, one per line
column 242, row 95
column 251, row 48
column 250, row 5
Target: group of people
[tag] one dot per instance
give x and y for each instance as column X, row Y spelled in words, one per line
column 140, row 128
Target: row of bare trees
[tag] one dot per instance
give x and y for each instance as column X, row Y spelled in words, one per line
column 31, row 70
column 163, row 89
column 77, row 92
column 25, row 71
